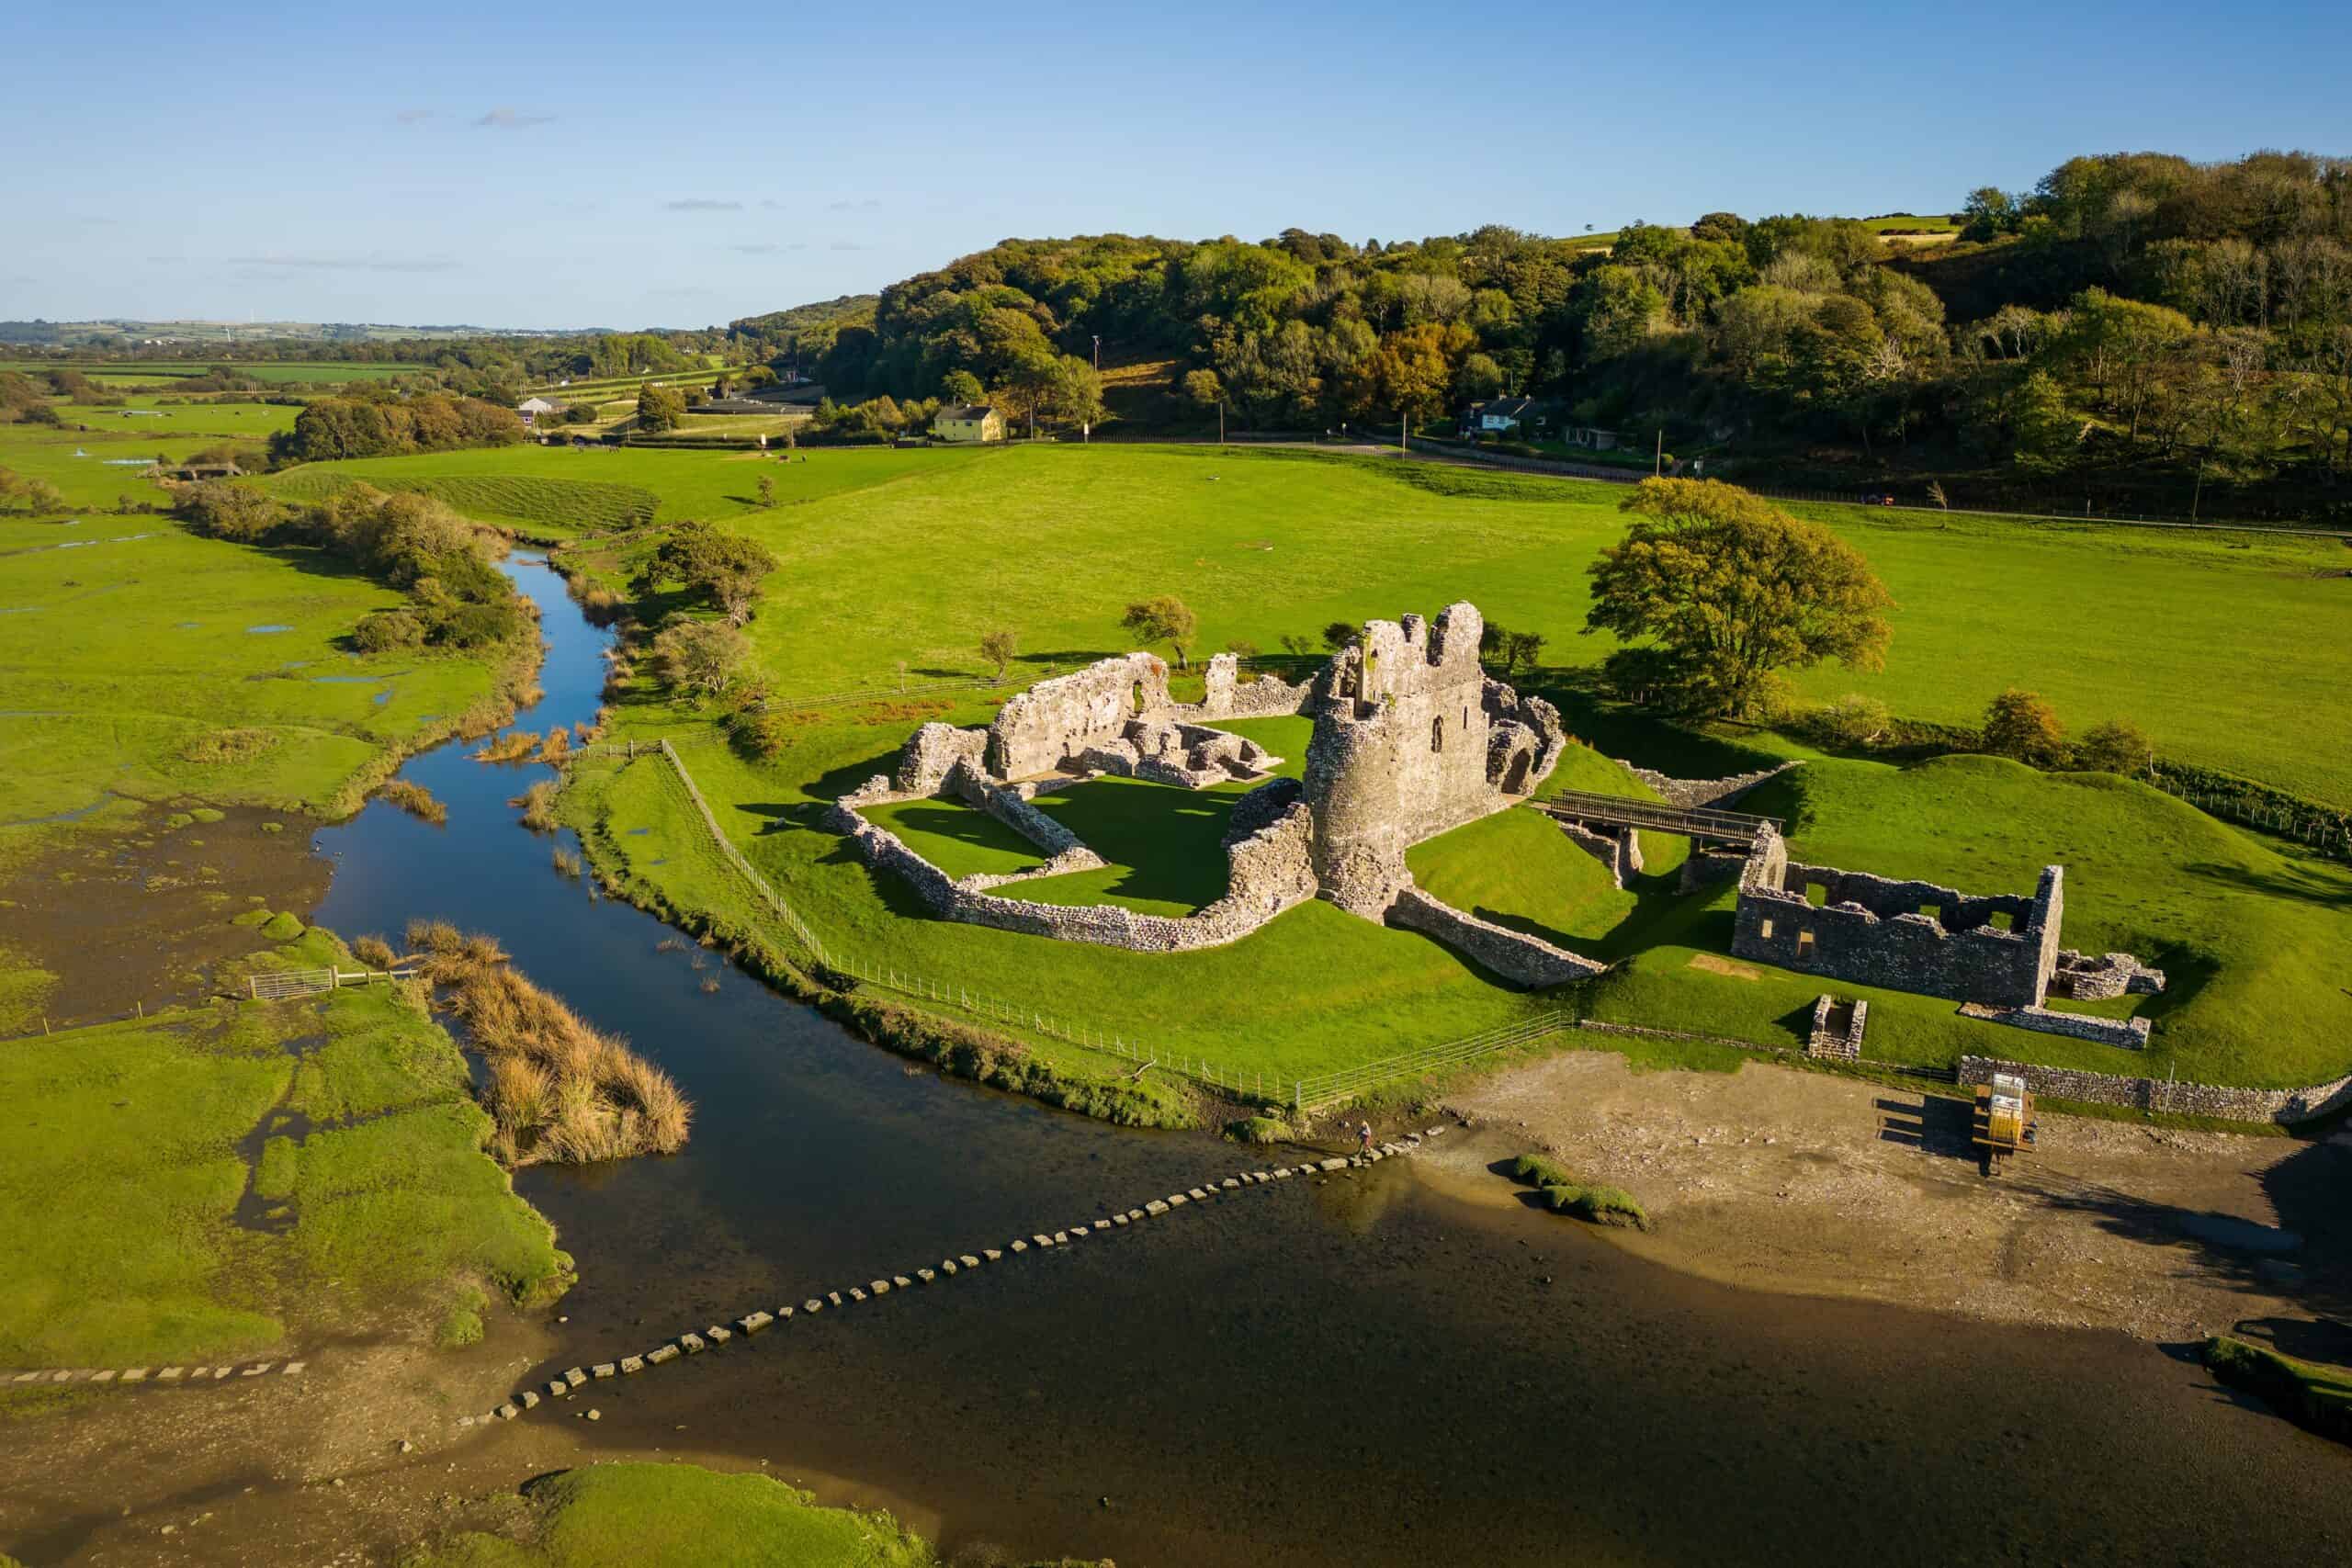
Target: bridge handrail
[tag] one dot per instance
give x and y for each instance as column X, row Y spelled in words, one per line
column 1700, row 819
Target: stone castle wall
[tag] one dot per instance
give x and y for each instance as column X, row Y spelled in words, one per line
column 1036, row 730
column 2286, row 1106
column 1516, row 956
column 1870, row 933
column 1691, row 794
column 1230, row 696
column 1270, row 870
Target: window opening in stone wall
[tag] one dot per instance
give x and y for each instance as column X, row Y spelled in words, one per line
column 1437, row 735
column 1816, row 894
column 1138, row 696
column 1765, row 931
column 1805, row 944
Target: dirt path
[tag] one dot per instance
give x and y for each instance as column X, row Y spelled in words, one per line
column 1806, row 1183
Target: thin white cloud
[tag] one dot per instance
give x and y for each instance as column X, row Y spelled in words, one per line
column 867, row 204
column 755, row 250
column 847, row 245
column 703, row 204
column 512, row 119
column 347, row 263
column 412, row 116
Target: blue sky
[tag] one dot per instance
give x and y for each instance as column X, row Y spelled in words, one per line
column 584, row 165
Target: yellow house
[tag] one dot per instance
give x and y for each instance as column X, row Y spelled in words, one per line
column 967, row 422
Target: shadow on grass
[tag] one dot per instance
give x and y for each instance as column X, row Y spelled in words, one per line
column 1617, row 729
column 953, row 822
column 2296, row 881
column 1164, row 843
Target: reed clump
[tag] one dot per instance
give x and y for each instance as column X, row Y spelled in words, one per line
column 556, row 748
column 557, row 1088
column 511, row 746
column 538, row 805
column 415, row 799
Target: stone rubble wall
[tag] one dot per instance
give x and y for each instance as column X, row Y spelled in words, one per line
column 1691, row 794
column 2132, row 1033
column 933, row 752
column 1270, row 870
column 1009, row 804
column 1827, row 1041
column 1861, row 938
column 1230, row 696
column 1038, row 730
column 150, row 1377
column 1516, row 956
column 2088, row 979
column 2285, row 1106
column 1618, row 848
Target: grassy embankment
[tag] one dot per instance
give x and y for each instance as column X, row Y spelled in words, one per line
column 2312, row 1395
column 215, row 1180
column 1565, row 1192
column 676, row 1516
column 913, row 563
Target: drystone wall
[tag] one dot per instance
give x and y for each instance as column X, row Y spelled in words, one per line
column 1691, row 794
column 1871, row 932
column 2286, row 1106
column 2132, row 1033
column 1515, row 955
column 1038, row 730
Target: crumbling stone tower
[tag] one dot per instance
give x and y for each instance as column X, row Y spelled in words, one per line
column 1404, row 739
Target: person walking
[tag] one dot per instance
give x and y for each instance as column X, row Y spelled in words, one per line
column 1363, row 1139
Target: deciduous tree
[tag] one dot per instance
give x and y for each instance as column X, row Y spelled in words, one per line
column 1162, row 618
column 1719, row 589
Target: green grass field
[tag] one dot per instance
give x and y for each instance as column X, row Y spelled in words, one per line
column 2202, row 640
column 125, row 643
column 892, row 559
column 678, row 1516
column 145, row 1216
column 161, row 372
column 684, row 484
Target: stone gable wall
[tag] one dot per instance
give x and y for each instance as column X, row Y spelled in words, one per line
column 1230, row 696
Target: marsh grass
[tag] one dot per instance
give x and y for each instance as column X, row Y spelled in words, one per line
column 556, row 748
column 559, row 1089
column 567, row 865
column 415, row 799
column 511, row 746
column 538, row 805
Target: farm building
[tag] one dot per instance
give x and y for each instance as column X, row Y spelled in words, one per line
column 967, row 422
column 531, row 408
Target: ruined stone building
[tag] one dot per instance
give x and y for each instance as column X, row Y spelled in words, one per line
column 1996, row 954
column 1411, row 739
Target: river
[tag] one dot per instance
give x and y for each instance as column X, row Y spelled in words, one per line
column 1365, row 1370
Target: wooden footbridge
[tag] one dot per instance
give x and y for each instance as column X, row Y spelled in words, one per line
column 1623, row 811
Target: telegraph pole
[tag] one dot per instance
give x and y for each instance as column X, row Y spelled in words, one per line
column 1657, row 463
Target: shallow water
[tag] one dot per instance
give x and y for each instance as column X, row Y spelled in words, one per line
column 1360, row 1371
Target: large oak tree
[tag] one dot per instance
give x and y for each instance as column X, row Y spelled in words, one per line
column 1716, row 590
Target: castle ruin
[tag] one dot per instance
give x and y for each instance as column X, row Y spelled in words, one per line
column 1411, row 740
